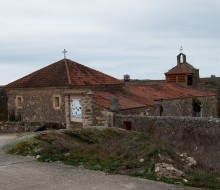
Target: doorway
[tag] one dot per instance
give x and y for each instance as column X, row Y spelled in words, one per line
column 189, row 80
column 127, row 125
column 196, row 108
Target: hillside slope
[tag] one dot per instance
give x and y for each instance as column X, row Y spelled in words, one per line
column 117, row 151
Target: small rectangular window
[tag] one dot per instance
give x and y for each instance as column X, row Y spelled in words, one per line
column 19, row 101
column 56, row 102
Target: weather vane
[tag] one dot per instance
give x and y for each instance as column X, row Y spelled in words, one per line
column 64, row 53
column 181, row 49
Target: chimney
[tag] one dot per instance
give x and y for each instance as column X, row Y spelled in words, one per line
column 127, row 83
column 126, row 78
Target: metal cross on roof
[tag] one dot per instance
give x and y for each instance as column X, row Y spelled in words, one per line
column 181, row 49
column 64, row 52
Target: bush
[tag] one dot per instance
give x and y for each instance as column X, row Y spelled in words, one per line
column 12, row 116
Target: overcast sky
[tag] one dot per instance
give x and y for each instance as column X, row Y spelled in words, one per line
column 137, row 37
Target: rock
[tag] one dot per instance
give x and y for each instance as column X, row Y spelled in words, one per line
column 67, row 154
column 141, row 160
column 183, row 155
column 185, row 180
column 168, row 171
column 191, row 161
column 157, row 169
column 38, row 156
column 165, row 158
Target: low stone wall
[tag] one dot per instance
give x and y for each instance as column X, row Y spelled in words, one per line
column 19, row 127
column 143, row 123
column 197, row 136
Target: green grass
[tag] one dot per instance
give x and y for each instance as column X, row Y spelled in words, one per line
column 27, row 147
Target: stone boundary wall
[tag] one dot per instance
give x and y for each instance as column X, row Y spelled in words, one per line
column 200, row 137
column 143, row 123
column 20, row 127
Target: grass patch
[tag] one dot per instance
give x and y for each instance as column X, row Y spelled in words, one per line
column 27, row 147
column 204, row 180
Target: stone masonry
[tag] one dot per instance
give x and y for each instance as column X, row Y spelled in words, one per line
column 37, row 105
column 183, row 107
column 87, row 109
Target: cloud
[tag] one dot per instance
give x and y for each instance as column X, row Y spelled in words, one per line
column 138, row 37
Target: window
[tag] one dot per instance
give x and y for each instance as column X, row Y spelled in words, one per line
column 19, row 101
column 196, row 107
column 161, row 110
column 56, row 102
column 181, row 78
column 171, row 78
column 189, row 80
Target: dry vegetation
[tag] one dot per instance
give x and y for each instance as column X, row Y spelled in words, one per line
column 112, row 150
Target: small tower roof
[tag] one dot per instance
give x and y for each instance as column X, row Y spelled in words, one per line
column 182, row 66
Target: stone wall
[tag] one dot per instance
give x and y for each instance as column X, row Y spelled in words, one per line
column 147, row 111
column 3, row 105
column 37, row 105
column 102, row 115
column 20, row 127
column 156, row 124
column 197, row 136
column 183, row 107
column 177, row 107
column 211, row 84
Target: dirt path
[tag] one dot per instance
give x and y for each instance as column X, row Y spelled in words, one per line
column 6, row 137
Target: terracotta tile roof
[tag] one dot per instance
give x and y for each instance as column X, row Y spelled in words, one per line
column 64, row 73
column 125, row 101
column 168, row 91
column 182, row 68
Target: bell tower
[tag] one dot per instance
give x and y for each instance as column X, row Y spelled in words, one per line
column 183, row 72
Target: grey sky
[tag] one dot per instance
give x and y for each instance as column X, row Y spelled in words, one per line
column 117, row 37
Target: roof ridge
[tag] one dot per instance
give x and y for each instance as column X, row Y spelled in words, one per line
column 68, row 73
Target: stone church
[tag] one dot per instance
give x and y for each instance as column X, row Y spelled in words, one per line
column 70, row 93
